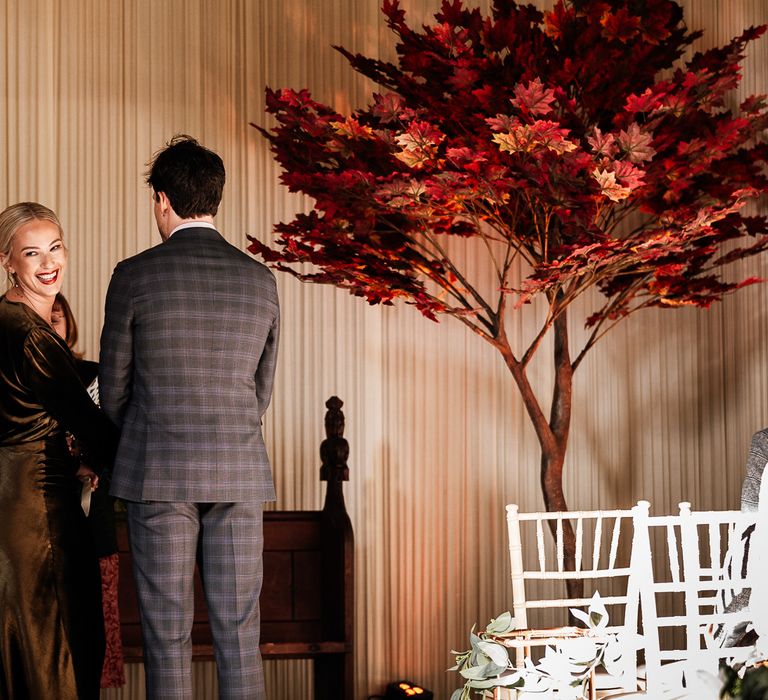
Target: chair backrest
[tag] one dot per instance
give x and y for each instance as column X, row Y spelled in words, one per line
column 694, row 561
column 603, row 544
column 603, row 548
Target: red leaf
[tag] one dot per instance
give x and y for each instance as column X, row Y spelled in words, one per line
column 387, row 108
column 620, row 26
column 534, row 98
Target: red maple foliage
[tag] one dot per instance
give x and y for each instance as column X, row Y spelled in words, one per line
column 577, row 140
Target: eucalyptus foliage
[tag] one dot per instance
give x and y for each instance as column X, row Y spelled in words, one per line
column 565, row 668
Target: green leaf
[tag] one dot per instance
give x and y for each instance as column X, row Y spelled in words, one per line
column 496, row 652
column 502, row 624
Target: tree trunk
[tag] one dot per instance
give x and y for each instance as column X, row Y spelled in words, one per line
column 552, row 460
column 552, row 433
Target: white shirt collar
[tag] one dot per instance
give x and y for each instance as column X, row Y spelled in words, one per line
column 192, row 224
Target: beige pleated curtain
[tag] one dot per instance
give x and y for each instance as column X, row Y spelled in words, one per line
column 663, row 408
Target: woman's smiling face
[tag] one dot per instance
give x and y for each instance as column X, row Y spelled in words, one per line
column 38, row 258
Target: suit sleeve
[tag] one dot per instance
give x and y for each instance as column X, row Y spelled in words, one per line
column 265, row 373
column 758, row 456
column 116, row 348
column 53, row 376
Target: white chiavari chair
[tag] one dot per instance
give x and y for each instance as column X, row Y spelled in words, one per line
column 695, row 567
column 540, row 594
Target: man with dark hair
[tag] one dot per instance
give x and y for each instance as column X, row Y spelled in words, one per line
column 187, row 362
column 190, row 176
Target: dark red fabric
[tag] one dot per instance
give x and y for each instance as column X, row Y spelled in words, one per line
column 113, row 672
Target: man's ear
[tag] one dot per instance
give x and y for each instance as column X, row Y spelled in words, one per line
column 163, row 201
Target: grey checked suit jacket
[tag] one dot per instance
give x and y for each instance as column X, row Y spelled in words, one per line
column 758, row 456
column 187, row 363
column 750, row 497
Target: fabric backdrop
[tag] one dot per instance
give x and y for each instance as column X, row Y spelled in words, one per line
column 664, row 406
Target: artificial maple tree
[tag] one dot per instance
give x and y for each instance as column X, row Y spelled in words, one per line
column 575, row 145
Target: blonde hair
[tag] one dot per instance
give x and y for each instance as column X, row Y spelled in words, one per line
column 13, row 218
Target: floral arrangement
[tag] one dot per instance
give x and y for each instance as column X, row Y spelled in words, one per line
column 565, row 667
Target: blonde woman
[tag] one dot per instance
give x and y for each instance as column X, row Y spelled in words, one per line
column 51, row 625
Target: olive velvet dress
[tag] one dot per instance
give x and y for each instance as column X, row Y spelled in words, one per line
column 51, row 625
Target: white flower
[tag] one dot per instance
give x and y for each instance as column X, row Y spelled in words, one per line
column 596, row 617
column 580, row 651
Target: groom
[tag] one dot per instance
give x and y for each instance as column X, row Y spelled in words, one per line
column 186, row 368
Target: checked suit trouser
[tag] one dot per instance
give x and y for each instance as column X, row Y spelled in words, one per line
column 227, row 541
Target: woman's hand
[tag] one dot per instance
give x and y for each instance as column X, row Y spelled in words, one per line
column 85, row 473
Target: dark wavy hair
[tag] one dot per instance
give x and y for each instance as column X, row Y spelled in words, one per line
column 69, row 317
column 191, row 176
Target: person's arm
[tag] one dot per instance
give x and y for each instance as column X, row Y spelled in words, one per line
column 265, row 373
column 758, row 456
column 116, row 348
column 53, row 377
